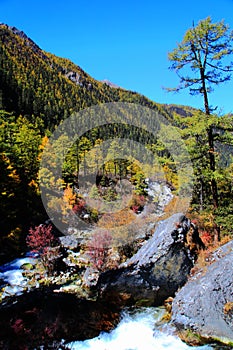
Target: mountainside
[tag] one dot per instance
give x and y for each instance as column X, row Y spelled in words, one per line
column 38, row 90
column 91, row 200
column 34, row 82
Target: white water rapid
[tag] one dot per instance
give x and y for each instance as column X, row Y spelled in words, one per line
column 137, row 331
column 11, row 276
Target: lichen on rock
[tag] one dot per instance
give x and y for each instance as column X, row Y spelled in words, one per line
column 205, row 304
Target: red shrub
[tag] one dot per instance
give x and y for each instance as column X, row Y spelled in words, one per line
column 42, row 241
column 135, row 208
column 98, row 248
column 40, row 238
column 206, row 238
column 18, row 326
column 79, row 207
column 51, row 329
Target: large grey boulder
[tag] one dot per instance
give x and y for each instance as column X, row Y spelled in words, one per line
column 155, row 272
column 205, row 304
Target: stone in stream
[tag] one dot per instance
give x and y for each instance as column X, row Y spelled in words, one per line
column 155, row 272
column 204, row 305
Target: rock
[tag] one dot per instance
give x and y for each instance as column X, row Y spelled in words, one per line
column 204, row 305
column 76, row 260
column 113, row 259
column 160, row 192
column 69, row 242
column 86, row 216
column 75, row 238
column 27, row 266
column 109, row 83
column 91, row 277
column 155, row 272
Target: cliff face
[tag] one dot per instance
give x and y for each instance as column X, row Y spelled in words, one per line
column 158, row 269
column 205, row 304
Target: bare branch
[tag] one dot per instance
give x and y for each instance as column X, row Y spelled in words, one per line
column 226, row 69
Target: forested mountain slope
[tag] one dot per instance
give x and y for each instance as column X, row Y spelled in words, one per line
column 38, row 90
column 34, row 82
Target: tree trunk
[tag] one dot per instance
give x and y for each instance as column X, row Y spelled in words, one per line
column 77, row 158
column 216, row 233
column 214, row 187
column 201, row 195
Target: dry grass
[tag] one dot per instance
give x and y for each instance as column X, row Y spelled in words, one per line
column 228, row 308
column 176, row 205
column 120, row 218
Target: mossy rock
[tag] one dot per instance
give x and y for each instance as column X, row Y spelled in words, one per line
column 143, row 302
column 191, row 338
column 27, row 266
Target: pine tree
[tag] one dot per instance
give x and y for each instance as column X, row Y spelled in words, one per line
column 204, row 50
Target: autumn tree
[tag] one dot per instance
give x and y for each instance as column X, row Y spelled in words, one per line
column 204, row 50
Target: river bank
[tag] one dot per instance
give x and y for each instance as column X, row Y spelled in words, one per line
column 112, row 311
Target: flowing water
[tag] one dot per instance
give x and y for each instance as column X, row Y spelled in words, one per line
column 11, row 276
column 139, row 328
column 137, row 331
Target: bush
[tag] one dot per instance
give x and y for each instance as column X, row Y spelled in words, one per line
column 206, row 238
column 79, row 207
column 137, row 203
column 42, row 240
column 98, row 248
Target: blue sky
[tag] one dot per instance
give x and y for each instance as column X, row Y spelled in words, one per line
column 126, row 42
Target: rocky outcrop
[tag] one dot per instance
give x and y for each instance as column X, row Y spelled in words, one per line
column 204, row 305
column 156, row 271
column 28, row 41
column 160, row 192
